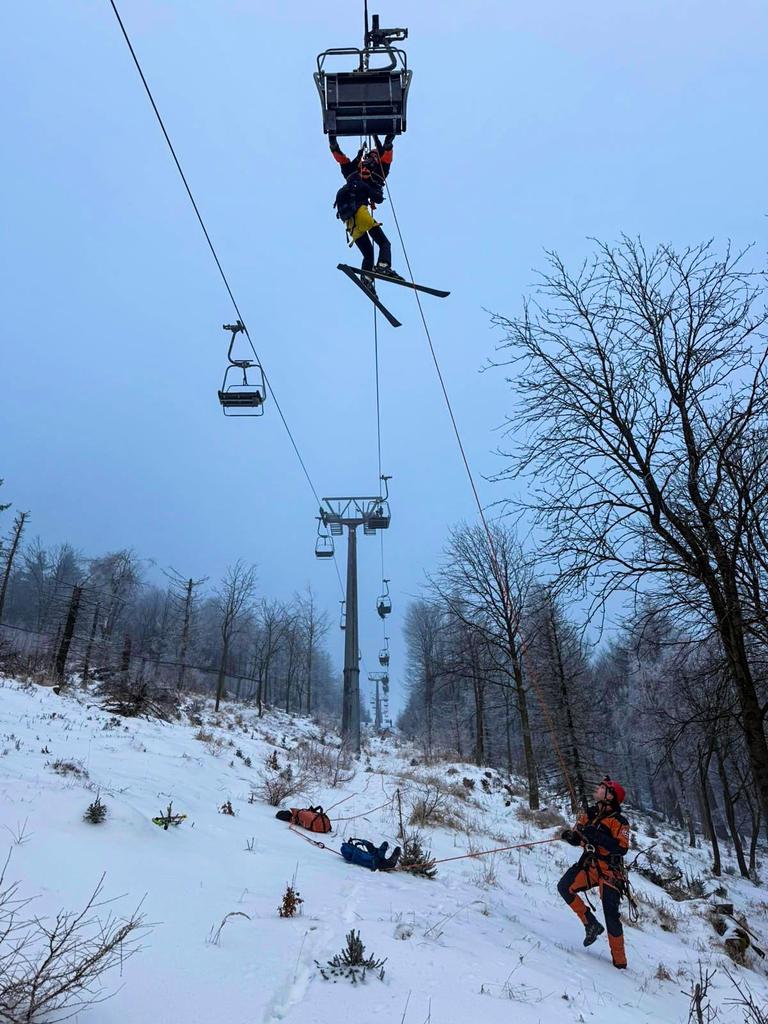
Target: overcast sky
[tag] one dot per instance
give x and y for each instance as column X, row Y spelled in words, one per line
column 531, row 127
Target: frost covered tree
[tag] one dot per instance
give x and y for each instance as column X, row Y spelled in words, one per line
column 234, row 600
column 641, row 428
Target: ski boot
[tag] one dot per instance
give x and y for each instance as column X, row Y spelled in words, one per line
column 593, row 929
column 386, row 271
column 368, row 283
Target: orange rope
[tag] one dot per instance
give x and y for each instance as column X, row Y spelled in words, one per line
column 499, row 849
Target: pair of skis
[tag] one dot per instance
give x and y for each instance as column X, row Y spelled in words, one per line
column 356, row 274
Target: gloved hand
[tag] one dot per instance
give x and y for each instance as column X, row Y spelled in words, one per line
column 589, row 832
column 333, row 142
column 571, row 837
column 388, row 140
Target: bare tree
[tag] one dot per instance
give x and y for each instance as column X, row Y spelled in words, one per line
column 183, row 591
column 486, row 589
column 423, row 633
column 18, row 529
column 271, row 633
column 314, row 624
column 556, row 653
column 233, row 599
column 642, row 423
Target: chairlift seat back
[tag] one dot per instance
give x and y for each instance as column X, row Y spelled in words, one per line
column 364, row 102
column 244, row 397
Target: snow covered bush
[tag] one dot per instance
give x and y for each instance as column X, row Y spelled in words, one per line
column 278, row 782
column 139, row 699
column 52, row 968
column 542, row 817
column 75, row 768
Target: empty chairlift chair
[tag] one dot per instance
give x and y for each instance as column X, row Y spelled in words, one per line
column 324, row 543
column 384, row 657
column 238, row 395
column 367, row 100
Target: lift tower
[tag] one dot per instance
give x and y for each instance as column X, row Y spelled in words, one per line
column 373, row 515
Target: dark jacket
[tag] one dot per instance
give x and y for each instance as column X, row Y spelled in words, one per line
column 354, row 193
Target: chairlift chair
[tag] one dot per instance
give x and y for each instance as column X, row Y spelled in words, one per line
column 242, row 397
column 384, row 657
column 379, row 517
column 323, row 545
column 367, row 100
column 384, row 602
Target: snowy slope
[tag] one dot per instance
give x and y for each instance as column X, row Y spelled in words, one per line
column 464, row 946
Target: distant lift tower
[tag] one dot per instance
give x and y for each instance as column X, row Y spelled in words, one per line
column 373, row 515
column 380, row 701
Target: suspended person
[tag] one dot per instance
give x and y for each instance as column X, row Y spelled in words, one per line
column 603, row 833
column 363, row 189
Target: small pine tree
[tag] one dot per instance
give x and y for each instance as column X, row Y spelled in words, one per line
column 415, row 858
column 351, row 962
column 96, row 812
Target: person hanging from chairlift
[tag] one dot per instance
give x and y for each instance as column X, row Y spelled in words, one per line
column 603, row 833
column 363, row 189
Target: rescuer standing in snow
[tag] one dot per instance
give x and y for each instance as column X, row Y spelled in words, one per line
column 603, row 833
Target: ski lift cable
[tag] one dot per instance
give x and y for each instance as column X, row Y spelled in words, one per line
column 210, row 243
column 473, row 485
column 378, row 433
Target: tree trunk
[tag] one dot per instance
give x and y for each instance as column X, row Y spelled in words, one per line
column 730, row 815
column 706, row 810
column 185, row 635
column 508, row 729
column 429, row 696
column 569, row 723
column 222, row 672
column 91, row 639
column 732, row 635
column 18, row 529
column 310, row 647
column 479, row 721
column 69, row 629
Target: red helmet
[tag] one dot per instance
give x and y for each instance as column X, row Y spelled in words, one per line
column 616, row 788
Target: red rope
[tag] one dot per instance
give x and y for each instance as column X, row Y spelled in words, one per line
column 499, row 849
column 315, row 842
column 363, row 815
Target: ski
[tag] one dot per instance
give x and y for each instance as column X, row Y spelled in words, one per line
column 350, row 272
column 393, row 280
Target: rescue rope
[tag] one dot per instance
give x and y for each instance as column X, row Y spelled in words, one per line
column 352, row 817
column 498, row 849
column 315, row 842
column 340, row 802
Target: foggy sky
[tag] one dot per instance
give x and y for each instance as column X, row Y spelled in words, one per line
column 531, row 127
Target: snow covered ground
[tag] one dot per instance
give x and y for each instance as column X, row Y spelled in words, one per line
column 488, row 939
